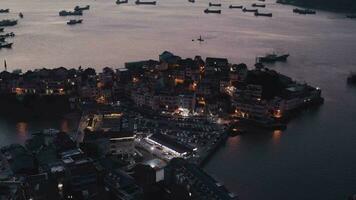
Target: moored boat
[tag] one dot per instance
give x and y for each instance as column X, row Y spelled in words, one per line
column 263, row 14
column 6, row 45
column 212, row 11
column 4, row 10
column 69, row 13
column 238, row 7
column 259, row 5
column 351, row 16
column 138, row 2
column 118, row 2
column 74, row 21
column 214, row 4
column 8, row 22
column 249, row 10
column 1, row 29
column 304, row 11
column 78, row 8
column 11, row 34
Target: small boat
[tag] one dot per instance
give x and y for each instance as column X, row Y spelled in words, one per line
column 69, row 13
column 6, row 45
column 138, row 2
column 20, row 15
column 212, row 11
column 304, row 11
column 11, row 34
column 118, row 2
column 271, row 58
column 258, row 5
column 249, row 10
column 78, row 8
column 214, row 4
column 352, row 78
column 73, row 21
column 4, row 10
column 263, row 14
column 8, row 22
column 191, row 1
column 238, row 7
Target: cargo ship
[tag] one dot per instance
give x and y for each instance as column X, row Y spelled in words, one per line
column 259, row 5
column 78, row 8
column 214, row 4
column 237, row 7
column 73, row 21
column 212, row 11
column 118, row 2
column 138, row 2
column 249, row 10
column 69, row 13
column 263, row 14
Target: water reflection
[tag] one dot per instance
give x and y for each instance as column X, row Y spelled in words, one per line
column 276, row 136
column 22, row 130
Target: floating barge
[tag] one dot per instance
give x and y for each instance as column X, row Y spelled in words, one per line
column 207, row 11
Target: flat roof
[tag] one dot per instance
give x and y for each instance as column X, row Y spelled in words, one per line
column 170, row 143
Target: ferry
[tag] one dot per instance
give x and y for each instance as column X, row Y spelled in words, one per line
column 263, row 14
column 78, row 8
column 259, row 5
column 304, row 11
column 68, row 13
column 6, row 45
column 249, row 10
column 8, row 22
column 212, row 11
column 4, row 10
column 118, row 2
column 238, row 7
column 214, row 4
column 73, row 21
column 271, row 58
column 138, row 2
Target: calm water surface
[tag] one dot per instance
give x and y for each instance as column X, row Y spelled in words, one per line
column 315, row 158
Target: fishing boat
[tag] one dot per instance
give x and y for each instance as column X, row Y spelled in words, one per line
column 214, row 4
column 236, row 7
column 118, row 2
column 212, row 11
column 69, row 13
column 249, row 10
column 8, row 22
column 74, row 21
column 138, row 2
column 78, row 8
column 6, row 45
column 4, row 10
column 258, row 5
column 263, row 14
